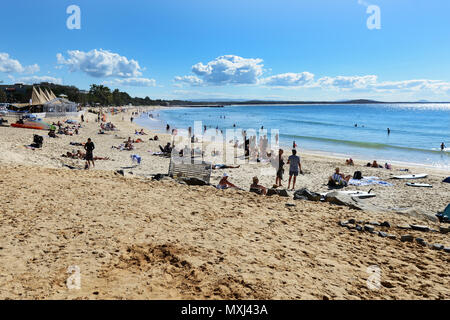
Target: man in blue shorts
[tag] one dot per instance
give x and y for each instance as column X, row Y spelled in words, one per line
column 294, row 167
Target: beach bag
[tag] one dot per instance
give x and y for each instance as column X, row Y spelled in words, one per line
column 305, row 194
column 357, row 175
column 445, row 215
column 37, row 141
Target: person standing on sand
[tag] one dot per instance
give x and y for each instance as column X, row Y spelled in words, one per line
column 280, row 169
column 131, row 119
column 89, row 147
column 82, row 118
column 294, row 166
column 294, row 145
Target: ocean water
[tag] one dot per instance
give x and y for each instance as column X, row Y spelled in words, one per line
column 416, row 130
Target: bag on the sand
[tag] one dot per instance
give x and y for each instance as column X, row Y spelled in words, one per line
column 37, row 141
column 279, row 192
column 445, row 215
column 357, row 175
column 305, row 194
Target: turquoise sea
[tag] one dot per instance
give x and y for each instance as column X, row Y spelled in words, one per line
column 416, row 130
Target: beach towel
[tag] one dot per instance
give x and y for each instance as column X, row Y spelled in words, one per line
column 367, row 181
column 136, row 158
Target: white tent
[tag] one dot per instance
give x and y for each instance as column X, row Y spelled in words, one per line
column 37, row 98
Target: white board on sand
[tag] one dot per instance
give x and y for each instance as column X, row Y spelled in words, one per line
column 423, row 185
column 411, row 176
column 353, row 193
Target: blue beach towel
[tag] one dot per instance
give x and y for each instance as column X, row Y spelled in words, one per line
column 367, row 181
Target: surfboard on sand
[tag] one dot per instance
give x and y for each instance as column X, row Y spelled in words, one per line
column 411, row 176
column 353, row 193
column 423, row 185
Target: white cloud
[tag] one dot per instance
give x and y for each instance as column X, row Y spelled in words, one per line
column 133, row 82
column 347, row 82
column 414, row 85
column 191, row 80
column 39, row 79
column 229, row 69
column 289, row 79
column 100, row 63
column 9, row 65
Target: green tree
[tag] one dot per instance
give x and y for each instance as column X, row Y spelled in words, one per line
column 100, row 94
column 3, row 97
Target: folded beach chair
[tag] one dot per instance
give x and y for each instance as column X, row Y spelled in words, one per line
column 201, row 171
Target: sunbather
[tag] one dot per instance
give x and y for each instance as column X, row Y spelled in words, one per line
column 224, row 166
column 255, row 187
column 339, row 179
column 224, row 183
column 349, row 162
column 167, row 148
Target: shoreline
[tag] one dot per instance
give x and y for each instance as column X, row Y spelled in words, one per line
column 325, row 154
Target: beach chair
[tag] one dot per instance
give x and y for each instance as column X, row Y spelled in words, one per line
column 180, row 169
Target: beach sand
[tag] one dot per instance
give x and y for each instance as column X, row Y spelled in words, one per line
column 133, row 238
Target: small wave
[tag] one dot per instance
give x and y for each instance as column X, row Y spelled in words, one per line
column 362, row 144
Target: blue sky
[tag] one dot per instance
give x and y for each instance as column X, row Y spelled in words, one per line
column 250, row 49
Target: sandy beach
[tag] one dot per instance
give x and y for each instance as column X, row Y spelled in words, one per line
column 133, row 238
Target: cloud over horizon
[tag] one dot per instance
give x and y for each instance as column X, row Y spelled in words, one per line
column 100, row 63
column 226, row 69
column 132, row 82
column 9, row 65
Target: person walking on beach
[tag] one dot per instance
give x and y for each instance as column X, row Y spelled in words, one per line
column 89, row 147
column 131, row 119
column 294, row 167
column 442, row 146
column 294, row 145
column 82, row 118
column 280, row 169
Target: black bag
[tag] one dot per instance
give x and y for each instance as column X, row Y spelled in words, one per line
column 37, row 141
column 357, row 175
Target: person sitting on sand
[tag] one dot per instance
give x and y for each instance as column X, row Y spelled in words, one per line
column 339, row 179
column 167, row 148
column 224, row 183
column 155, row 138
column 255, row 187
column 387, row 166
column 375, row 164
column 349, row 162
column 52, row 134
column 142, row 132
